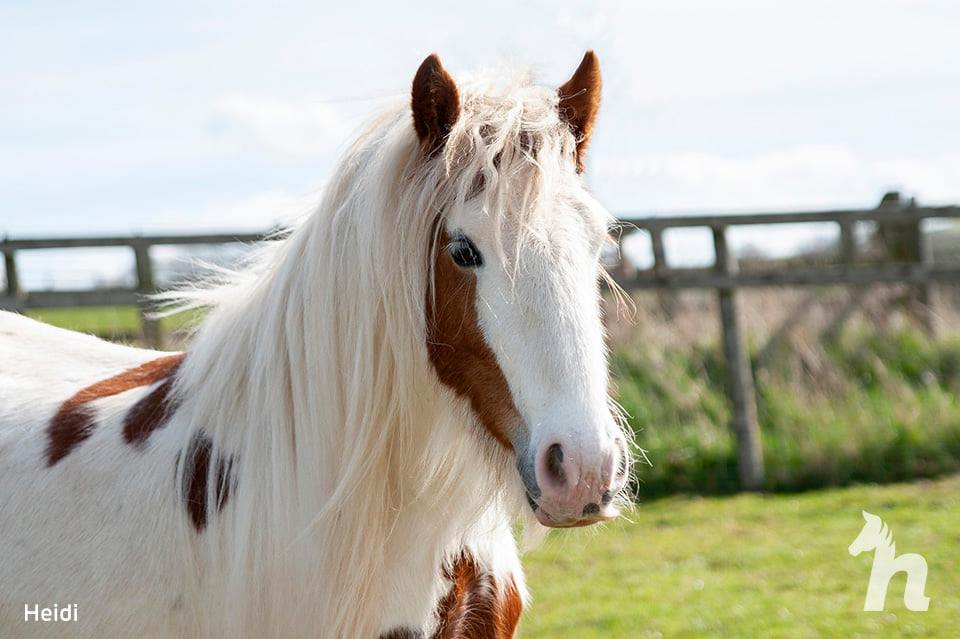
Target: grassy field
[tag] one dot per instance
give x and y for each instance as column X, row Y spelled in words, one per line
column 748, row 566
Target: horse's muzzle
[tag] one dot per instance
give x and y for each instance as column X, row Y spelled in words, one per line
column 574, row 488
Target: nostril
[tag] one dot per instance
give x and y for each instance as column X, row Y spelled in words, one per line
column 555, row 464
column 591, row 509
column 606, row 498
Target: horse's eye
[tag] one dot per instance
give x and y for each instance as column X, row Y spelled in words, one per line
column 464, row 253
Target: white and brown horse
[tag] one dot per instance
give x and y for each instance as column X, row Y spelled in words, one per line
column 366, row 410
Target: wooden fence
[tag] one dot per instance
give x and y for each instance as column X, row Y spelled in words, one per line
column 725, row 277
column 15, row 298
column 915, row 267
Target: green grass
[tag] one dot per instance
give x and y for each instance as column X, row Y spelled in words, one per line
column 110, row 322
column 872, row 406
column 748, row 566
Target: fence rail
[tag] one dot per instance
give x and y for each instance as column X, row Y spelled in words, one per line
column 17, row 299
column 913, row 266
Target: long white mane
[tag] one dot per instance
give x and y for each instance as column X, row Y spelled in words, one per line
column 310, row 370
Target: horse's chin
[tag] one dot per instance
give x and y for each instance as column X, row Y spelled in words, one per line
column 607, row 514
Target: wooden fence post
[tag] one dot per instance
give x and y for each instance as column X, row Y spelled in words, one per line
column 659, row 254
column 740, row 387
column 926, row 290
column 848, row 258
column 666, row 298
column 152, row 334
column 907, row 245
column 10, row 268
column 848, row 244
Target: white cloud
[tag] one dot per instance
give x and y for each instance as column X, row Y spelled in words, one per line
column 794, row 178
column 254, row 213
column 801, row 178
column 703, row 48
column 292, row 128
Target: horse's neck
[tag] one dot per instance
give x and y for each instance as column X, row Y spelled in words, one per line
column 448, row 494
column 468, row 475
column 467, row 510
column 348, row 479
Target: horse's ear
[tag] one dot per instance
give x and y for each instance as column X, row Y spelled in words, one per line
column 435, row 102
column 580, row 101
column 868, row 516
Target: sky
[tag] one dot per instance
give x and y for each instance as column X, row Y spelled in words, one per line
column 177, row 117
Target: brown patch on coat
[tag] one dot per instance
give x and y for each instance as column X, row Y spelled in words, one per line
column 458, row 350
column 148, row 414
column 196, row 475
column 435, row 102
column 477, row 606
column 580, row 101
column 402, row 633
column 75, row 420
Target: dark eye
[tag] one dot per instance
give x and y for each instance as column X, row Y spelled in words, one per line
column 464, row 253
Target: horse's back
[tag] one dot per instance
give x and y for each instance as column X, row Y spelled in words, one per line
column 36, row 354
column 41, row 366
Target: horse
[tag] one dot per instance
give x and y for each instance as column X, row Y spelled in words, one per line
column 368, row 411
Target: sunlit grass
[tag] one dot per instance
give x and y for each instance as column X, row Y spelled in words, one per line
column 120, row 323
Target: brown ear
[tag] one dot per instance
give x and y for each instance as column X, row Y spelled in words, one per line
column 435, row 102
column 580, row 101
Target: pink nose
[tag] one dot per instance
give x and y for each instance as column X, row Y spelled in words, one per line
column 577, row 489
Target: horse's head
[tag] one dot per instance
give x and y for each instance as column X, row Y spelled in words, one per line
column 869, row 537
column 513, row 312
